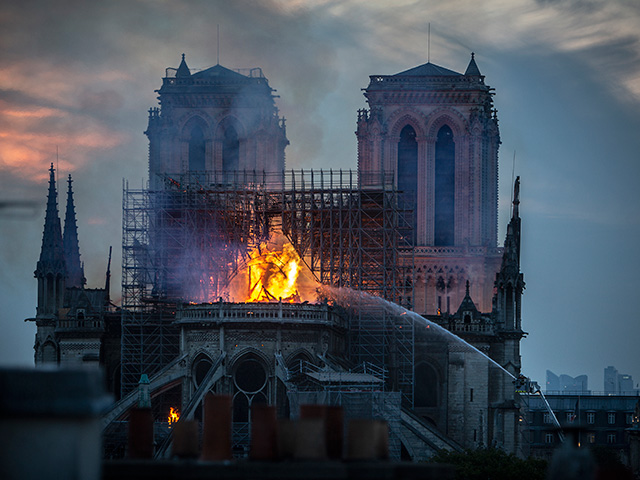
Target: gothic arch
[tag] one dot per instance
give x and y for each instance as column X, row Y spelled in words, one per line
column 230, row 138
column 230, row 121
column 199, row 119
column 251, row 377
column 300, row 353
column 403, row 117
column 248, row 351
column 446, row 116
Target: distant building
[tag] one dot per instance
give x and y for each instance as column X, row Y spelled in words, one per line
column 566, row 383
column 618, row 383
column 610, row 380
column 605, row 421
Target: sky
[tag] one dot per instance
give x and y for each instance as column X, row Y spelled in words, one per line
column 78, row 78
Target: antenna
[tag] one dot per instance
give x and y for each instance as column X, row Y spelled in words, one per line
column 57, row 164
column 429, row 43
column 218, row 59
column 513, row 170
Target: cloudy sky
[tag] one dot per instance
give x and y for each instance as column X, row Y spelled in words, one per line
column 80, row 76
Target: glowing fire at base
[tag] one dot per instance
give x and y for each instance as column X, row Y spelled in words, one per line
column 173, row 417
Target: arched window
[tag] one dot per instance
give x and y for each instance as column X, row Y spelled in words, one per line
column 250, row 379
column 444, row 187
column 408, row 173
column 196, row 150
column 230, row 150
column 200, row 367
column 426, row 386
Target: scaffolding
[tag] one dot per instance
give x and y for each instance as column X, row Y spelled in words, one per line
column 185, row 242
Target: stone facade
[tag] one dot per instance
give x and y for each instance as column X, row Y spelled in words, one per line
column 437, row 132
column 253, row 338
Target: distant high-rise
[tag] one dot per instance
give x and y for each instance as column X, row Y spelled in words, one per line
column 611, row 380
column 617, row 383
column 567, row 383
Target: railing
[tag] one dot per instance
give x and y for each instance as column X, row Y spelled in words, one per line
column 593, row 393
column 305, row 180
column 258, row 312
column 80, row 324
column 455, row 251
column 471, row 327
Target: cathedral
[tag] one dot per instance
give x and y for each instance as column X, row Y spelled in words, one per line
column 293, row 287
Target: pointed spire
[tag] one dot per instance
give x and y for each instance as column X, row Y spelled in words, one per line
column 107, row 283
column 472, row 68
column 75, row 271
column 467, row 304
column 183, row 70
column 511, row 255
column 516, row 198
column 51, row 254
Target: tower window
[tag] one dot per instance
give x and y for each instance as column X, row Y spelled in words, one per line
column 196, row 150
column 444, row 188
column 408, row 174
column 230, row 150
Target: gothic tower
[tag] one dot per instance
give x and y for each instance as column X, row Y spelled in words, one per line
column 51, row 273
column 70, row 319
column 217, row 121
column 436, row 131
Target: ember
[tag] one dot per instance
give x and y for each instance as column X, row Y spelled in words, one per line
column 173, row 417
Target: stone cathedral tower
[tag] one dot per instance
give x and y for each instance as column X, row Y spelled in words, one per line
column 436, row 130
column 216, row 120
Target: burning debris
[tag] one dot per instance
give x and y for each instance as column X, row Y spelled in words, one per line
column 173, row 417
column 273, row 272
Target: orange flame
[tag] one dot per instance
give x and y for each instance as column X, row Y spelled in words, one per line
column 174, row 416
column 273, row 274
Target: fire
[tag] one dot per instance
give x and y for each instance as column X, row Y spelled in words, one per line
column 273, row 274
column 173, row 417
column 270, row 272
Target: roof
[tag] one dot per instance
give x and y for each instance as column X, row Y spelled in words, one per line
column 218, row 71
column 429, row 70
column 344, row 377
column 472, row 68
